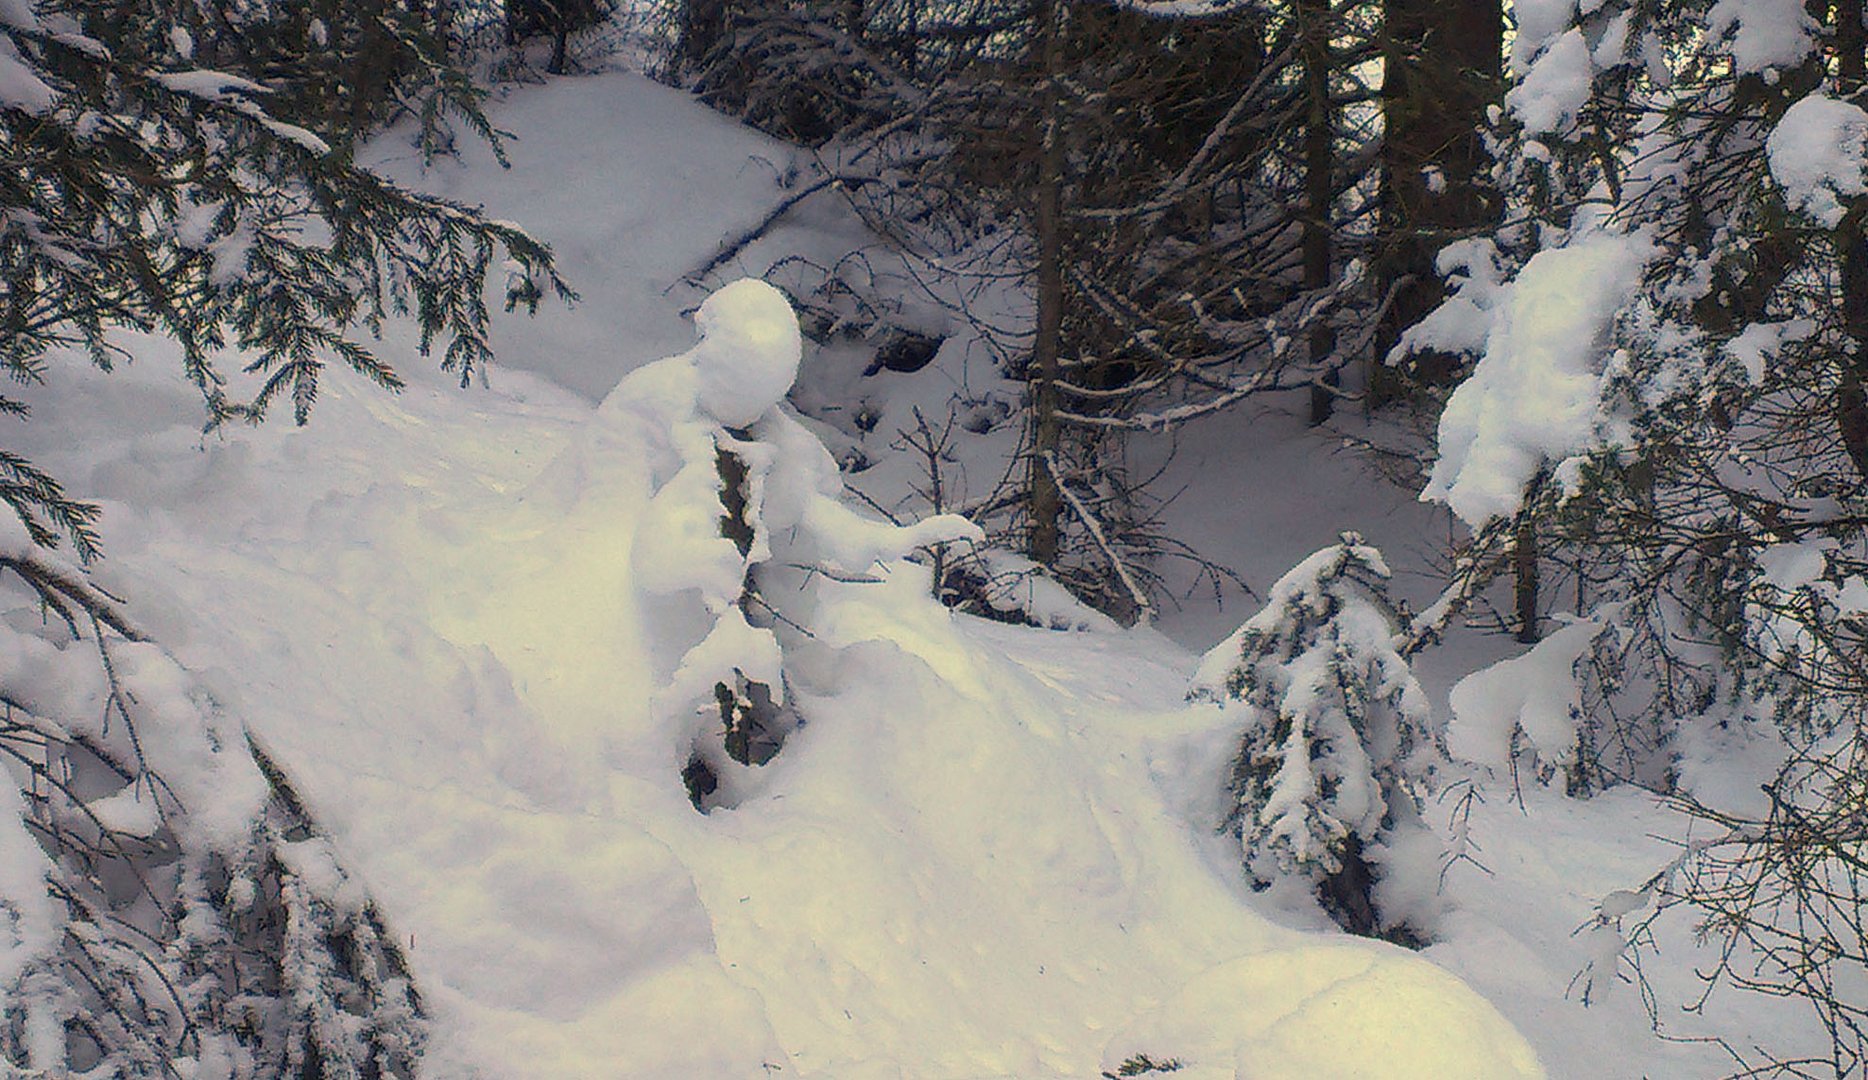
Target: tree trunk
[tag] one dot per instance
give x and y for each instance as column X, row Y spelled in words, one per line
column 1524, row 574
column 1851, row 407
column 703, row 29
column 1442, row 68
column 1319, row 161
column 1044, row 497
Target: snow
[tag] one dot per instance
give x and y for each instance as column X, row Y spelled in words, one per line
column 471, row 625
column 1757, row 343
column 1555, row 86
column 1765, row 34
column 959, row 867
column 1793, row 566
column 1536, row 695
column 20, row 88
column 748, row 353
column 1538, row 23
column 1816, row 154
column 1535, row 397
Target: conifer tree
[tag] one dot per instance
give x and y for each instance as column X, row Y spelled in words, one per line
column 149, row 193
column 184, row 168
column 1336, row 745
column 1703, row 486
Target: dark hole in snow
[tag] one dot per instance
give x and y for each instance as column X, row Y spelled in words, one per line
column 754, row 724
column 699, row 778
column 904, row 351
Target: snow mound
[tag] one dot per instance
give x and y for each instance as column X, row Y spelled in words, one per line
column 748, row 353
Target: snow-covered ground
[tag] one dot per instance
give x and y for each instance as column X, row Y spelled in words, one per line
column 988, row 851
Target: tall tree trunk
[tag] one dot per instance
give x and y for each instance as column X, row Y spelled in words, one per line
column 703, row 28
column 1319, row 162
column 1442, row 68
column 1851, row 407
column 1045, row 501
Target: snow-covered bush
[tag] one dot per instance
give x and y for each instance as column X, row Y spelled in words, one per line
column 1337, row 742
column 745, row 525
column 167, row 906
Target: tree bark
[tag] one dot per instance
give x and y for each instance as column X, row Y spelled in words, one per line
column 1045, row 503
column 1319, row 163
column 1851, row 406
column 1442, row 69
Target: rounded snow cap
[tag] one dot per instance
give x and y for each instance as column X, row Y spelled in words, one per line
column 748, row 352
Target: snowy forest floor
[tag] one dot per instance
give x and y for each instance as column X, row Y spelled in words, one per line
column 990, row 853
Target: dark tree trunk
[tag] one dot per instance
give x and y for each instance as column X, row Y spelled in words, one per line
column 1442, row 68
column 1045, row 500
column 1851, row 408
column 1319, row 187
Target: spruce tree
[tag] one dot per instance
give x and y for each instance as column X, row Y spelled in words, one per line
column 185, row 169
column 148, row 193
column 1337, row 743
column 1709, row 499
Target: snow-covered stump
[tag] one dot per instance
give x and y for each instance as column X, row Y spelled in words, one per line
column 744, row 527
column 1336, row 743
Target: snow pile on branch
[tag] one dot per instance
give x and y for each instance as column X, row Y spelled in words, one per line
column 1533, row 699
column 1555, row 86
column 1818, row 154
column 1535, row 397
column 1765, row 34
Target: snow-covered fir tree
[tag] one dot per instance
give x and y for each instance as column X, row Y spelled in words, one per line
column 1337, row 742
column 167, row 905
column 1669, row 397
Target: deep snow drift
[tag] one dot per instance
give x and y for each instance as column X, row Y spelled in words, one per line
column 969, row 861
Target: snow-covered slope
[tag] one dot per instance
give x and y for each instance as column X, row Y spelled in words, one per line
column 988, row 851
column 965, row 865
column 971, row 861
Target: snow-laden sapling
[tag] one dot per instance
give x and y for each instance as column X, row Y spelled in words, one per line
column 167, row 906
column 1336, row 743
column 746, row 521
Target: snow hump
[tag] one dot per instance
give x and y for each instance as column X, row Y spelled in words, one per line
column 1818, row 153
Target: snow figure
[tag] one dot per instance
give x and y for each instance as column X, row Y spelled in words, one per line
column 1335, row 736
column 746, row 518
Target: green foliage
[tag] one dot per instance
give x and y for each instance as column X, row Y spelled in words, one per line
column 149, row 194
